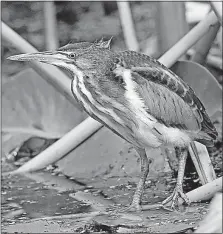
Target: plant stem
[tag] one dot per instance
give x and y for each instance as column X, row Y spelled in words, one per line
column 51, row 74
column 127, row 25
column 173, row 54
column 63, row 146
column 50, row 25
column 204, row 45
column 217, row 8
column 171, row 24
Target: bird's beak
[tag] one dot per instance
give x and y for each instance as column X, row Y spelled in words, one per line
column 54, row 58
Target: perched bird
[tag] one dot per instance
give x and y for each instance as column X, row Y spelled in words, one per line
column 136, row 97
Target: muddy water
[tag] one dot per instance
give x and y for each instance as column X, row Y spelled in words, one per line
column 24, row 199
column 45, row 202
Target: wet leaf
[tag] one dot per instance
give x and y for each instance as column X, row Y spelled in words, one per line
column 205, row 86
column 32, row 107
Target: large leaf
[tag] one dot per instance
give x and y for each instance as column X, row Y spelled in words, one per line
column 205, row 86
column 32, row 107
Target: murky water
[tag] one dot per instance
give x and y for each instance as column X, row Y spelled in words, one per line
column 23, row 199
column 48, row 201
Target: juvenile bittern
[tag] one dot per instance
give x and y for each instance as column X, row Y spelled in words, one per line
column 136, row 97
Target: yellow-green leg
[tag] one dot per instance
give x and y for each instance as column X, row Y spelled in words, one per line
column 178, row 191
column 135, row 205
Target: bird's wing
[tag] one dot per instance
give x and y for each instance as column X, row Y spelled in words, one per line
column 167, row 97
column 167, row 107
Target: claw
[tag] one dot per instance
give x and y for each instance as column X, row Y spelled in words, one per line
column 173, row 198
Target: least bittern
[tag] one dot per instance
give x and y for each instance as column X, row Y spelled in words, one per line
column 136, row 97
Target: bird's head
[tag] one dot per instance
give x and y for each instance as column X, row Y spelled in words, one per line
column 74, row 57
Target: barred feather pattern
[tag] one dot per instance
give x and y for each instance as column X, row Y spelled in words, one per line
column 148, row 71
column 142, row 101
column 103, row 109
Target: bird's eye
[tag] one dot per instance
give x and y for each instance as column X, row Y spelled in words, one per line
column 117, row 60
column 72, row 55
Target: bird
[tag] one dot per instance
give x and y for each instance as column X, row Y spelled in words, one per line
column 137, row 98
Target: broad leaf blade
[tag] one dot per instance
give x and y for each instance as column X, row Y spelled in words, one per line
column 32, row 107
column 205, row 86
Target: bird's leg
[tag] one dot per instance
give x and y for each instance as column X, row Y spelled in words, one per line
column 178, row 191
column 135, row 205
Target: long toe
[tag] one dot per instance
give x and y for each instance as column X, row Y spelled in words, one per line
column 173, row 199
column 184, row 197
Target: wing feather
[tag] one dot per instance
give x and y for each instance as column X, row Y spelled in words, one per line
column 166, row 106
column 161, row 89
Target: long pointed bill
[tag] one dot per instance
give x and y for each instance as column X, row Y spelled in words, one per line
column 55, row 58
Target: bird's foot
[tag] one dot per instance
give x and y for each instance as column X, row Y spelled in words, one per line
column 173, row 198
